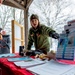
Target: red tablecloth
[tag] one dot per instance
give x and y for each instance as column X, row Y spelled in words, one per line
column 9, row 68
column 71, row 62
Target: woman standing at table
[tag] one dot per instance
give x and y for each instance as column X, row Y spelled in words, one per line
column 4, row 42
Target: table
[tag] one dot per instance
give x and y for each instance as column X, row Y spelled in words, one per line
column 9, row 68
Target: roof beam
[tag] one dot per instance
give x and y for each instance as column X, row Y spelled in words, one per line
column 16, row 4
column 27, row 4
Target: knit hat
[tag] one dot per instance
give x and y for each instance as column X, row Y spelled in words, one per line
column 34, row 16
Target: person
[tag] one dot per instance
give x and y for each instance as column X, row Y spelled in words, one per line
column 0, row 34
column 4, row 43
column 39, row 34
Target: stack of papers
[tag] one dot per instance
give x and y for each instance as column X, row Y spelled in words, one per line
column 52, row 68
column 20, row 59
column 32, row 63
column 7, row 55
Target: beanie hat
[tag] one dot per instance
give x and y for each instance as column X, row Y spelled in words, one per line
column 34, row 16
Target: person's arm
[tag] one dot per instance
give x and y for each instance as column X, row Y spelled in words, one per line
column 30, row 41
column 50, row 32
column 54, row 35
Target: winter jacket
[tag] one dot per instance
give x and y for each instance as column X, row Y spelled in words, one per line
column 40, row 38
column 5, row 44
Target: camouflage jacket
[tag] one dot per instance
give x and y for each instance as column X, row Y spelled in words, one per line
column 40, row 38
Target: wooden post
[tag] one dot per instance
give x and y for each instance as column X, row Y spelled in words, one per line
column 27, row 4
column 13, row 37
column 26, row 26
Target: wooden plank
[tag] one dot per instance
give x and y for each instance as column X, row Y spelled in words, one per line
column 29, row 3
column 18, row 24
column 13, row 37
column 19, row 39
column 22, row 36
column 26, row 26
column 13, row 4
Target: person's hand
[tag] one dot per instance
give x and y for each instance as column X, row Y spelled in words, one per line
column 25, row 51
column 43, row 56
column 54, row 35
column 51, row 55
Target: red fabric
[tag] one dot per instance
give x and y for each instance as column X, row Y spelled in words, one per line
column 1, row 1
column 9, row 68
column 67, row 62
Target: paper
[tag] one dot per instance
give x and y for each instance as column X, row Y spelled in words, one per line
column 7, row 55
column 70, row 72
column 51, row 68
column 32, row 63
column 20, row 59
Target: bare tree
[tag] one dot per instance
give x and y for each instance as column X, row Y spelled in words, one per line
column 21, row 20
column 18, row 15
column 9, row 13
column 5, row 17
column 53, row 12
column 13, row 10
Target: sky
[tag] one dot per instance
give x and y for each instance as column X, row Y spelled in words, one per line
column 71, row 8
